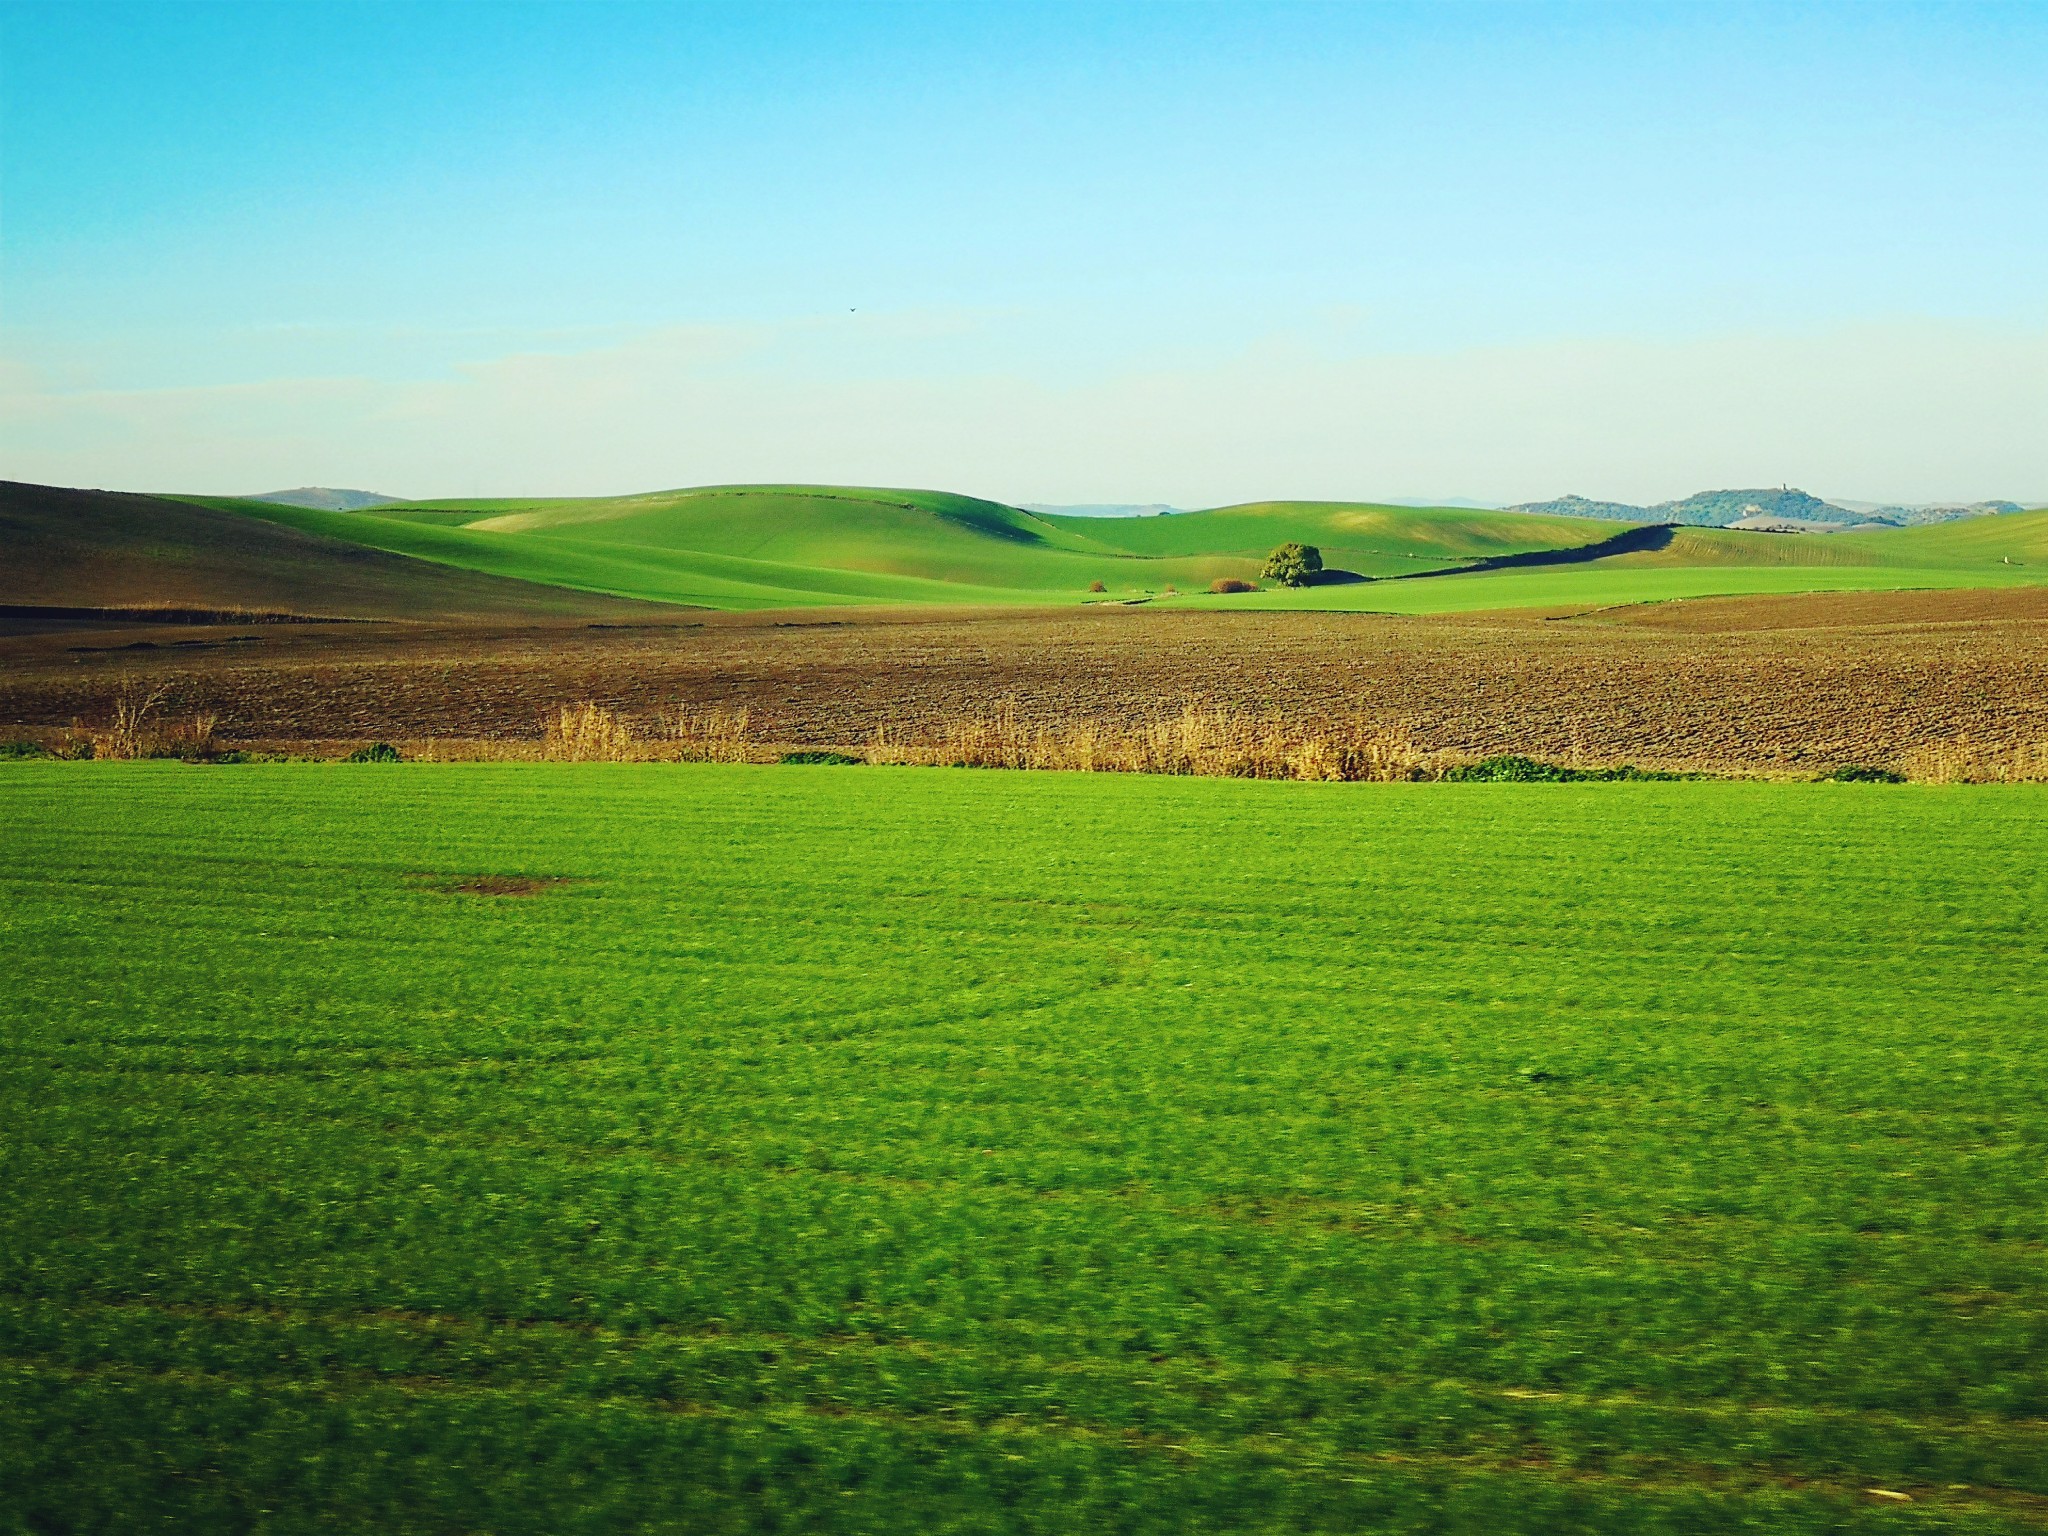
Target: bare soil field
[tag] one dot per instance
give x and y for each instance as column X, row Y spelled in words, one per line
column 1762, row 684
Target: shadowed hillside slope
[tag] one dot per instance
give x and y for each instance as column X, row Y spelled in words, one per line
column 109, row 550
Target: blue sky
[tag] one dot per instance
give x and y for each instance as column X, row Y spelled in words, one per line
column 1163, row 252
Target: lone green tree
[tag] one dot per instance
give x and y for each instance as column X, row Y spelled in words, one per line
column 1292, row 564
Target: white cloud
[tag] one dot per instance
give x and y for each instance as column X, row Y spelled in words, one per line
column 1908, row 410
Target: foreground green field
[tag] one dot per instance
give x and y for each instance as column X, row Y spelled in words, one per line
column 921, row 1150
column 780, row 546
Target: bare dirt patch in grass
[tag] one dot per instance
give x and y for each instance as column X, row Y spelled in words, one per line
column 494, row 885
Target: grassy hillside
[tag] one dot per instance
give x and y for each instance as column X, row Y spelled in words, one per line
column 595, row 562
column 757, row 547
column 1371, row 540
column 1235, row 1157
column 1713, row 562
column 1977, row 543
column 767, row 546
column 100, row 549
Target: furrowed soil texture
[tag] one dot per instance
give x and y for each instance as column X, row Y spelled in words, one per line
column 528, row 1148
column 1770, row 684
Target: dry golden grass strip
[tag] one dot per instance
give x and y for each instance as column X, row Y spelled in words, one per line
column 587, row 733
column 591, row 733
column 704, row 736
column 1198, row 739
column 1966, row 762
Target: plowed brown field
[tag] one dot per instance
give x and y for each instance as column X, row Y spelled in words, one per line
column 1749, row 684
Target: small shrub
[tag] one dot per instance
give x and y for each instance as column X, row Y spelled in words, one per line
column 829, row 759
column 1171, row 591
column 1232, row 584
column 1293, row 564
column 1505, row 769
column 1862, row 773
column 1096, row 586
column 129, row 734
column 1514, row 769
column 375, row 752
column 191, row 740
column 237, row 755
column 11, row 751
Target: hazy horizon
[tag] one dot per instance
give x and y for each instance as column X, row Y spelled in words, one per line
column 1047, row 253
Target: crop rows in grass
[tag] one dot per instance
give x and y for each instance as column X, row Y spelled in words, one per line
column 920, row 1150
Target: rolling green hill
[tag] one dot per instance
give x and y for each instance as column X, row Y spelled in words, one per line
column 770, row 546
column 2020, row 538
column 75, row 549
column 1370, row 540
column 1716, row 562
column 777, row 546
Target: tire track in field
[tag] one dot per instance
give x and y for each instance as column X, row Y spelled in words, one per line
column 1308, row 1464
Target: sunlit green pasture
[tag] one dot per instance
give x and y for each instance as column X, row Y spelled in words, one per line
column 908, row 1150
column 1601, row 585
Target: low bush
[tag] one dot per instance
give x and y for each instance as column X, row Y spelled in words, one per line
column 1232, row 584
column 375, row 752
column 830, row 759
column 11, row 751
column 1862, row 773
column 130, row 731
column 1515, row 769
column 136, row 729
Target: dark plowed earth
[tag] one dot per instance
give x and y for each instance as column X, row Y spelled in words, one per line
column 1836, row 610
column 1780, row 683
column 70, row 551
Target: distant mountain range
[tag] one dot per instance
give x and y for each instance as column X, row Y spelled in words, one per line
column 1777, row 505
column 1101, row 508
column 323, row 498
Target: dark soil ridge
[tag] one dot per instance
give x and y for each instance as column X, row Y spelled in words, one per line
column 55, row 614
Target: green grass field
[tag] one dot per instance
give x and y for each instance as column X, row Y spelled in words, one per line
column 900, row 1150
column 1602, row 584
column 781, row 546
